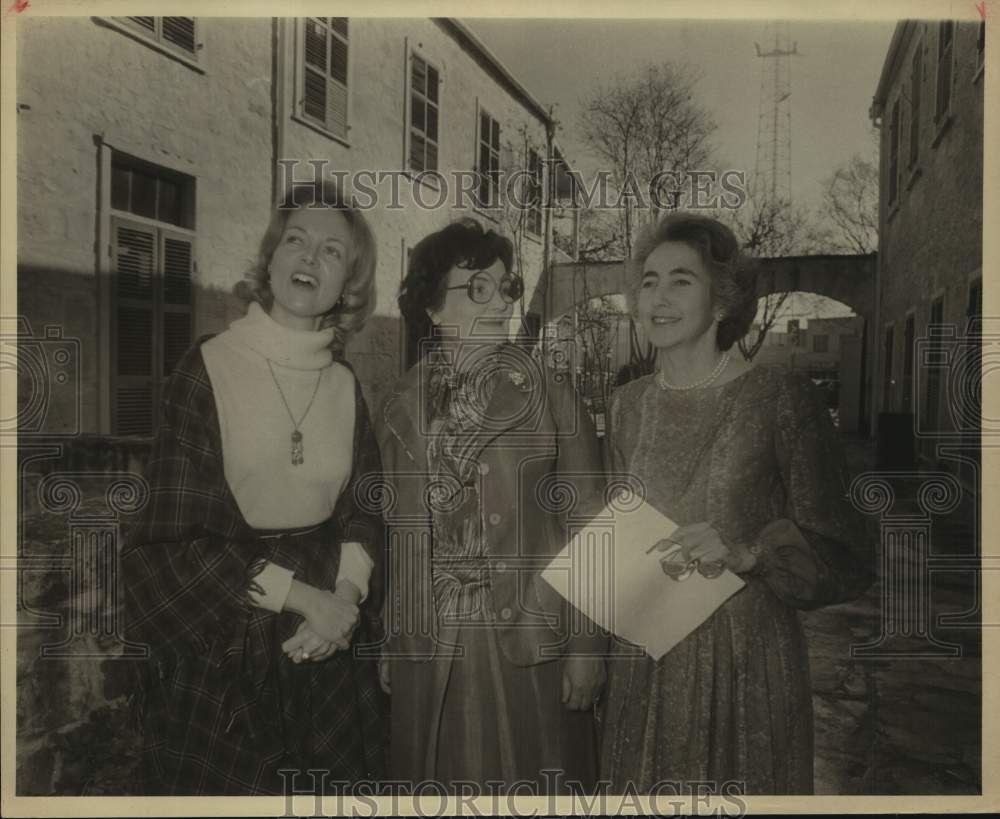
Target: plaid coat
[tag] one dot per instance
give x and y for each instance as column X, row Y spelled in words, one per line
column 220, row 706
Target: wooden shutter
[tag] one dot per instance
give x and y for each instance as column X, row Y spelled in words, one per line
column 147, row 23
column 153, row 318
column 177, row 266
column 179, row 31
column 325, row 72
column 133, row 259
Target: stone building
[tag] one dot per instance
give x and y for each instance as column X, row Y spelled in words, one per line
column 929, row 107
column 148, row 161
column 149, row 156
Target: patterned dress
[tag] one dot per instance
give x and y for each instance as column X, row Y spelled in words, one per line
column 758, row 458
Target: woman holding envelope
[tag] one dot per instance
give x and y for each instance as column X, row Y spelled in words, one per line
column 746, row 462
column 491, row 679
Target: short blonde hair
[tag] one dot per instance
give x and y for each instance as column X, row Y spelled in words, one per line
column 357, row 301
column 734, row 276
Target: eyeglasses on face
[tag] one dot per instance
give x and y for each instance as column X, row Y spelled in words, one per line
column 481, row 287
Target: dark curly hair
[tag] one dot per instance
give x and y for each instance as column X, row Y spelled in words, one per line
column 734, row 275
column 357, row 301
column 463, row 243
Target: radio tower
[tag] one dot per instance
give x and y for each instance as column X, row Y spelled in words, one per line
column 773, row 171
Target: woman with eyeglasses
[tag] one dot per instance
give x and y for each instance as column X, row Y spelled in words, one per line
column 491, row 678
column 745, row 460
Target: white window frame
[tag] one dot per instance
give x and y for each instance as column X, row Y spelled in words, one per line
column 196, row 60
column 492, row 212
column 107, row 314
column 428, row 174
column 942, row 117
column 298, row 109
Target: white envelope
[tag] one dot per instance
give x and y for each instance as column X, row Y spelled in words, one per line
column 610, row 571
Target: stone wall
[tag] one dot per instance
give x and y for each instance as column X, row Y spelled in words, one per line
column 74, row 734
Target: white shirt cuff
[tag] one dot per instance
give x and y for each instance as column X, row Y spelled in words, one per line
column 356, row 566
column 276, row 581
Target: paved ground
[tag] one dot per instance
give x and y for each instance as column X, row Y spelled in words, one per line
column 891, row 725
column 883, row 725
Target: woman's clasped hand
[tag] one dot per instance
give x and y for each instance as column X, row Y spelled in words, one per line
column 329, row 620
column 699, row 547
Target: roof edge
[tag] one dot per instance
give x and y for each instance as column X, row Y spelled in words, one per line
column 467, row 39
column 900, row 38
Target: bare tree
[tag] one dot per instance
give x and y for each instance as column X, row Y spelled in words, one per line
column 850, row 203
column 645, row 124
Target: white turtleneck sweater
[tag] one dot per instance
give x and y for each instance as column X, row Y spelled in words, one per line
column 270, row 491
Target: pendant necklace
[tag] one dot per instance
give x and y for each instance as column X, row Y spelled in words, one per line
column 297, row 450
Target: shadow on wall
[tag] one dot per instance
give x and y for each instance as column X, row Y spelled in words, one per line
column 76, row 492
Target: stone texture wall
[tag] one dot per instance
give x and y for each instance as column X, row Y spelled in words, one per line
column 931, row 236
column 83, row 84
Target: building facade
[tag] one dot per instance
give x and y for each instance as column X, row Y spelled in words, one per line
column 929, row 107
column 151, row 151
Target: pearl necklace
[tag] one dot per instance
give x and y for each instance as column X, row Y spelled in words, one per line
column 663, row 384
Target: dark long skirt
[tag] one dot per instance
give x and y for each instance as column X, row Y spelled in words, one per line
column 478, row 718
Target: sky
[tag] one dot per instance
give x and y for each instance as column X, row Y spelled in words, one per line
column 833, row 80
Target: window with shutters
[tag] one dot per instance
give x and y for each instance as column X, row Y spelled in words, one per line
column 909, row 333
column 176, row 33
column 488, row 166
column 935, row 347
column 894, row 153
column 946, row 49
column 916, row 72
column 972, row 362
column 324, row 74
column 152, row 264
column 425, row 107
column 888, row 382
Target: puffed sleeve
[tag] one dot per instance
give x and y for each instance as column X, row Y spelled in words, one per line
column 816, row 552
column 189, row 563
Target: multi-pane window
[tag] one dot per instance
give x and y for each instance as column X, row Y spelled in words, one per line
column 489, row 160
column 894, row 153
column 972, row 395
column 424, row 114
column 932, row 405
column 175, row 32
column 533, row 197
column 909, row 331
column 887, row 370
column 916, row 69
column 946, row 47
column 152, row 261
column 324, row 73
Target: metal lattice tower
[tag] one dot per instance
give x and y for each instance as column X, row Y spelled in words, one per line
column 773, row 171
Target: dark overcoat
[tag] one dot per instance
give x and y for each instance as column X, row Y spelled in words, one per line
column 538, row 473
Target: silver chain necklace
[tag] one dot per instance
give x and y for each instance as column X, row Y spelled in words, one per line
column 663, row 384
column 297, row 449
